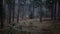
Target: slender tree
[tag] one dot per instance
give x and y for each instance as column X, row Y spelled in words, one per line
column 38, row 3
column 41, row 12
column 13, row 5
column 2, row 14
column 49, row 5
column 31, row 16
column 9, row 2
column 57, row 9
column 52, row 5
column 33, row 11
column 18, row 11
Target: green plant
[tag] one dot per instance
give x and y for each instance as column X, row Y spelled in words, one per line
column 10, row 30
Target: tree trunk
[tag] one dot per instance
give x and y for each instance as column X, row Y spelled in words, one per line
column 52, row 7
column 41, row 11
column 18, row 16
column 57, row 10
column 9, row 8
column 13, row 9
column 18, row 11
column 2, row 14
column 33, row 11
column 30, row 8
column 54, row 11
column 41, row 15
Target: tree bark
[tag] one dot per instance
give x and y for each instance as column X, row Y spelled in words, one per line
column 9, row 8
column 54, row 11
column 41, row 11
column 13, row 9
column 59, row 12
column 57, row 5
column 2, row 14
column 18, row 11
column 52, row 7
column 33, row 11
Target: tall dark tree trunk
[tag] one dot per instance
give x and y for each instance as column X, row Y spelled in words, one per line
column 13, row 9
column 18, row 11
column 2, row 14
column 41, row 12
column 31, row 16
column 51, row 13
column 54, row 11
column 18, row 16
column 30, row 9
column 1, row 10
column 9, row 8
column 59, row 12
column 9, row 2
column 33, row 11
column 57, row 5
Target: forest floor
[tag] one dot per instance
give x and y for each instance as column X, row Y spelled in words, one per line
column 37, row 27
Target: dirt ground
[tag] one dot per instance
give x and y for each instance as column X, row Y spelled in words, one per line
column 33, row 26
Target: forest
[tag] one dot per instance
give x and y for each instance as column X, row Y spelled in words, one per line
column 30, row 17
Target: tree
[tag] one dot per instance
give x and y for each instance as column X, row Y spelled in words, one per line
column 49, row 5
column 38, row 3
column 31, row 16
column 13, row 5
column 18, row 11
column 9, row 2
column 2, row 14
column 52, row 5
